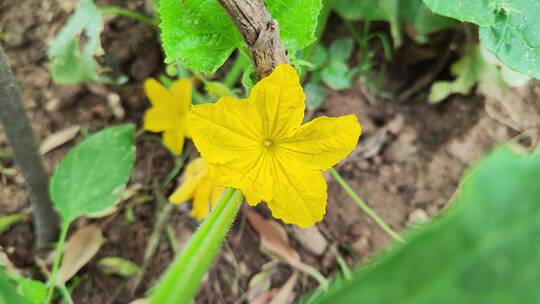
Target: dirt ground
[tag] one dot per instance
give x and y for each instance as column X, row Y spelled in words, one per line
column 408, row 164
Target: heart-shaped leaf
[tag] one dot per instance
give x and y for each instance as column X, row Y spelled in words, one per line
column 509, row 29
column 201, row 34
column 94, row 174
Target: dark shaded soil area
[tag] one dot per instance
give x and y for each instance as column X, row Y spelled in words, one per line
column 410, row 159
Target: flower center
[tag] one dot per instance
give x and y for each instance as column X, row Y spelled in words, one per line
column 267, row 143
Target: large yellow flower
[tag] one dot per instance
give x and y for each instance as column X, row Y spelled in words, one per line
column 168, row 112
column 197, row 185
column 259, row 146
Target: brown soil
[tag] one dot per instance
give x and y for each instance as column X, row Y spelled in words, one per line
column 411, row 160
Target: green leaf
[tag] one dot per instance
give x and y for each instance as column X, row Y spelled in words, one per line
column 34, row 291
column 485, row 249
column 201, row 34
column 468, row 70
column 474, row 11
column 509, row 29
column 315, row 95
column 337, row 75
column 197, row 32
column 422, row 19
column 369, row 10
column 297, row 21
column 341, row 49
column 71, row 61
column 118, row 266
column 9, row 220
column 319, row 56
column 94, row 174
column 7, row 292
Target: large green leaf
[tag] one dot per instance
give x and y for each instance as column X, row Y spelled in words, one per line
column 93, row 175
column 7, row 292
column 475, row 11
column 201, row 34
column 197, row 32
column 486, row 249
column 72, row 61
column 509, row 29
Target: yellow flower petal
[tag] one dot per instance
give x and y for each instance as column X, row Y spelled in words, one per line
column 201, row 202
column 181, row 89
column 279, row 99
column 158, row 94
column 174, row 140
column 260, row 147
column 299, row 196
column 169, row 110
column 196, row 170
column 217, row 191
column 256, row 184
column 158, row 119
column 228, row 127
column 323, row 142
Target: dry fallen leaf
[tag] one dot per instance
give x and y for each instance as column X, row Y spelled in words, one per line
column 57, row 139
column 80, row 249
column 311, row 239
column 286, row 293
column 368, row 147
column 273, row 238
column 266, row 297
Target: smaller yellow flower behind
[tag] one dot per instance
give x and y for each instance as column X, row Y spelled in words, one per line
column 260, row 146
column 168, row 112
column 197, row 185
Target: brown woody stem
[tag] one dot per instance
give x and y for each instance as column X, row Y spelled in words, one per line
column 260, row 32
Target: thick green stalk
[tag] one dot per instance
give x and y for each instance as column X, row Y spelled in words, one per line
column 120, row 11
column 183, row 278
column 57, row 258
column 363, row 205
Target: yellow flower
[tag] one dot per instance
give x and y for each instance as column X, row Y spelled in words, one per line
column 168, row 111
column 197, row 185
column 259, row 146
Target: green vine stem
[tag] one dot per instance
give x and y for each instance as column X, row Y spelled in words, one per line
column 120, row 11
column 65, row 294
column 57, row 258
column 181, row 281
column 339, row 179
column 238, row 66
